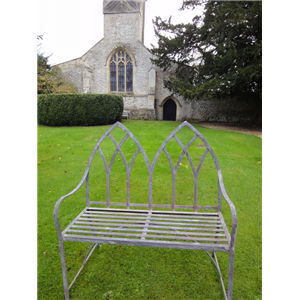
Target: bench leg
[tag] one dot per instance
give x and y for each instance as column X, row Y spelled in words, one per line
column 230, row 274
column 64, row 269
column 87, row 256
column 214, row 259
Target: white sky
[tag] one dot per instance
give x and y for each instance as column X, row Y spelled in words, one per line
column 72, row 27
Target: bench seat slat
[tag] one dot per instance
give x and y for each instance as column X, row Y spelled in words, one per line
column 147, row 236
column 148, row 243
column 154, row 216
column 94, row 225
column 212, row 223
column 87, row 228
column 157, row 226
column 157, row 217
column 136, row 211
column 131, row 220
column 153, row 205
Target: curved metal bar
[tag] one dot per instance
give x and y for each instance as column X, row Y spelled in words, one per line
column 133, row 159
column 86, row 258
column 136, row 142
column 118, row 149
column 185, row 151
column 169, row 159
column 103, row 159
column 163, row 145
column 56, row 208
column 140, row 148
column 195, row 172
column 221, row 183
column 128, row 169
column 107, row 171
column 201, row 161
column 173, row 178
column 216, row 264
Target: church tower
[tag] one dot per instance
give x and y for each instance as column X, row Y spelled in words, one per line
column 124, row 19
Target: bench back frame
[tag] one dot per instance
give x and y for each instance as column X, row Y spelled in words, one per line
column 151, row 166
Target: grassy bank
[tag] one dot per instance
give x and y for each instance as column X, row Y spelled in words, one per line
column 116, row 272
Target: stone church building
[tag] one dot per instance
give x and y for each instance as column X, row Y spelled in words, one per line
column 120, row 63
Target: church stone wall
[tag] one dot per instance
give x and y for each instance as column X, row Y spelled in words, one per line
column 124, row 31
column 226, row 110
column 72, row 70
column 123, row 27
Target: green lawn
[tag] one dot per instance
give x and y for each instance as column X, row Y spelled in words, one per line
column 120, row 272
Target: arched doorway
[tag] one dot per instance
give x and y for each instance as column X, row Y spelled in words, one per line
column 169, row 110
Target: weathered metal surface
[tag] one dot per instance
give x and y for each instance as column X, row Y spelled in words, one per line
column 199, row 229
column 87, row 256
column 151, row 225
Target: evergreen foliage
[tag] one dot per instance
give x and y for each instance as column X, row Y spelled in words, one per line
column 51, row 80
column 79, row 109
column 218, row 55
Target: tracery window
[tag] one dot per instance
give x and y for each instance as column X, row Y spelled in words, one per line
column 121, row 72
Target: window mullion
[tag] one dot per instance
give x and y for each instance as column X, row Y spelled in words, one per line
column 125, row 75
column 117, row 72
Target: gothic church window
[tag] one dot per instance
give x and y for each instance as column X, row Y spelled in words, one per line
column 121, row 72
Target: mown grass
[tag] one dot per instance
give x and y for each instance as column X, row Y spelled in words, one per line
column 119, row 272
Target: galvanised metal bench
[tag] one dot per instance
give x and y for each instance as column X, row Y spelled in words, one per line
column 148, row 222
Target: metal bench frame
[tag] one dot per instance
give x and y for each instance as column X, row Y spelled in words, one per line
column 199, row 229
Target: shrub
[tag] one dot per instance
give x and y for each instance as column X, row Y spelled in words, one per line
column 79, row 109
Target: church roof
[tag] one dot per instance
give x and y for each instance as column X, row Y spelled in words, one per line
column 121, row 6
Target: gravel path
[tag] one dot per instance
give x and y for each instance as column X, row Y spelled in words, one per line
column 243, row 128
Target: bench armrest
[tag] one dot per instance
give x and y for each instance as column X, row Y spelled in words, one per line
column 232, row 210
column 59, row 201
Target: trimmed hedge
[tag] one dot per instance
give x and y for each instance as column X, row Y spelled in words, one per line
column 79, row 109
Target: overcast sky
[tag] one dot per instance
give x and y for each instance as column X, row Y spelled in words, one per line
column 72, row 27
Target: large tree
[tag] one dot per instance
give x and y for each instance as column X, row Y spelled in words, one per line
column 218, row 54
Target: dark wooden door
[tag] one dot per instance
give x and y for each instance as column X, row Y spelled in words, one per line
column 170, row 109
